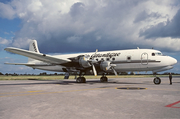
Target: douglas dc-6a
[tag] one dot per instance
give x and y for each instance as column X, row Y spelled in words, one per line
column 107, row 61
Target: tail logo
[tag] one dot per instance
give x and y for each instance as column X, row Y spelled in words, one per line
column 34, row 47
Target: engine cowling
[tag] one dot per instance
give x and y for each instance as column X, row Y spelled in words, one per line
column 105, row 66
column 84, row 62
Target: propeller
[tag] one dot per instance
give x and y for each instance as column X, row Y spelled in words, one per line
column 94, row 70
column 92, row 61
column 111, row 66
column 114, row 71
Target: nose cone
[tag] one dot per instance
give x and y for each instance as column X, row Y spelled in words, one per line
column 173, row 61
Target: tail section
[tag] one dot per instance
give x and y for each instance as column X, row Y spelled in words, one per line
column 33, row 47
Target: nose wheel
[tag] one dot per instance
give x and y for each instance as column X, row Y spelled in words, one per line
column 157, row 80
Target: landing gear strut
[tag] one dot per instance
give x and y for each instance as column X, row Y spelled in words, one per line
column 157, row 80
column 103, row 78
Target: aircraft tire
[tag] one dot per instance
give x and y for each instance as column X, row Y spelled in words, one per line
column 81, row 80
column 103, row 79
column 157, row 81
column 78, row 80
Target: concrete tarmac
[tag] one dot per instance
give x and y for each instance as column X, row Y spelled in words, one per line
column 120, row 98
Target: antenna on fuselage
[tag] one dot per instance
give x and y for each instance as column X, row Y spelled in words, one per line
column 96, row 51
column 137, row 47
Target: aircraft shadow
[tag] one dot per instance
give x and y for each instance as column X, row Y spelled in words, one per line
column 96, row 82
column 71, row 82
column 29, row 83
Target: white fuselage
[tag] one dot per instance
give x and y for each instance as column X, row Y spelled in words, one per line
column 125, row 60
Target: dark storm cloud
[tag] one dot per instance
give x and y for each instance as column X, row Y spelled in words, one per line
column 164, row 29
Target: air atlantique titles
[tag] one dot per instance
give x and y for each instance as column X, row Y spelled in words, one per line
column 104, row 55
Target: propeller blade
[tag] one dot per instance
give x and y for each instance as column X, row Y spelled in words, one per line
column 108, row 67
column 94, row 70
column 114, row 71
column 113, row 65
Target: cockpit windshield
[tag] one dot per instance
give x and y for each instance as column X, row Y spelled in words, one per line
column 157, row 54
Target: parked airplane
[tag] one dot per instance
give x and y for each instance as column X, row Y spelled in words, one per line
column 106, row 61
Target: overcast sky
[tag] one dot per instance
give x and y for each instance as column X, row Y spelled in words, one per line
column 71, row 26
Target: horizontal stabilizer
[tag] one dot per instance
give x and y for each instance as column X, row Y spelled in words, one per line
column 19, row 64
column 37, row 56
column 30, row 64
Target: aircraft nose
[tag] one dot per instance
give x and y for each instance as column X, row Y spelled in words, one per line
column 173, row 61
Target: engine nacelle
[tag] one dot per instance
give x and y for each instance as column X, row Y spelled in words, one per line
column 105, row 66
column 84, row 62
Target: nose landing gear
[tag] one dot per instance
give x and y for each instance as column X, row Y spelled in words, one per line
column 157, row 80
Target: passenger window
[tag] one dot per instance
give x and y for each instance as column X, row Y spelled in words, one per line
column 153, row 54
column 107, row 59
column 113, row 59
column 129, row 58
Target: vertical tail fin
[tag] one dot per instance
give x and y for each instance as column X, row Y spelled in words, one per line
column 33, row 47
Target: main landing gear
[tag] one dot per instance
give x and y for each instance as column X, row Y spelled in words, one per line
column 103, row 78
column 82, row 79
column 157, row 80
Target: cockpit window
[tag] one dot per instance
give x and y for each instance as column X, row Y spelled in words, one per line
column 157, row 54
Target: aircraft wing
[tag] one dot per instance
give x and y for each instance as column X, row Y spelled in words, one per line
column 38, row 56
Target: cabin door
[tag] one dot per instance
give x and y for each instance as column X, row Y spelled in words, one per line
column 144, row 59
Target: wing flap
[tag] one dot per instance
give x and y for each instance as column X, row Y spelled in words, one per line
column 37, row 56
